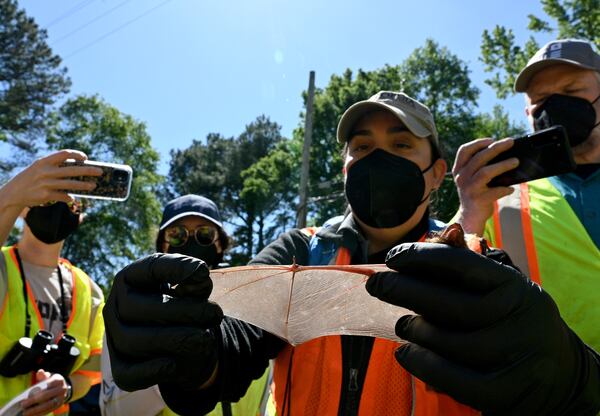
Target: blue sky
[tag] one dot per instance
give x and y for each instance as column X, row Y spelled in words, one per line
column 190, row 67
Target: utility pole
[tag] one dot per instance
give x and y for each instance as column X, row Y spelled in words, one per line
column 308, row 124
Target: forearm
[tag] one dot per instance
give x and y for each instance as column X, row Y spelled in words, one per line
column 473, row 222
column 81, row 385
column 9, row 212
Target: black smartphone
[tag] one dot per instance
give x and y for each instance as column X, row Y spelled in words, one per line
column 114, row 183
column 541, row 154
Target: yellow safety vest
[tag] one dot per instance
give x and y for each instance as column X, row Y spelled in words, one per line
column 12, row 321
column 537, row 227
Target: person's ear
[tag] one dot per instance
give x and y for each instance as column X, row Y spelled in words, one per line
column 439, row 169
column 218, row 246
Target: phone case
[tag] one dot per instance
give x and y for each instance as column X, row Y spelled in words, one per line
column 114, row 184
column 541, row 154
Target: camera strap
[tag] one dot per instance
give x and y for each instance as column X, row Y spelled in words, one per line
column 63, row 312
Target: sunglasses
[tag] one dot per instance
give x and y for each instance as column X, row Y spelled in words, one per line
column 178, row 235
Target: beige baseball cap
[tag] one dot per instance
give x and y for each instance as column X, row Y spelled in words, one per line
column 412, row 113
column 574, row 52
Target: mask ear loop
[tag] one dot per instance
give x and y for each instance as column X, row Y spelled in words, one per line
column 592, row 103
column 423, row 172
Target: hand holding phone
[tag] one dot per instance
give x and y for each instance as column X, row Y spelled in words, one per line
column 541, row 154
column 114, row 183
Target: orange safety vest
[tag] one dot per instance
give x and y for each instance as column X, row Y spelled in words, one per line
column 314, row 383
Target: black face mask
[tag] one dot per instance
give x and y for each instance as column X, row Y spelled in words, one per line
column 385, row 190
column 206, row 253
column 53, row 223
column 576, row 115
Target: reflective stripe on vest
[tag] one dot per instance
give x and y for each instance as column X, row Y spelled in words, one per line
column 547, row 240
column 314, row 385
column 512, row 219
column 12, row 320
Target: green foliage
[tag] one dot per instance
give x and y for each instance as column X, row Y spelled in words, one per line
column 216, row 169
column 31, row 79
column 271, row 186
column 112, row 233
column 504, row 59
column 574, row 19
column 440, row 80
column 202, row 168
column 497, row 125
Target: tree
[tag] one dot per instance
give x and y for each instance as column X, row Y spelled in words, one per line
column 31, row 80
column 504, row 59
column 112, row 233
column 201, row 168
column 215, row 169
column 271, row 187
column 431, row 74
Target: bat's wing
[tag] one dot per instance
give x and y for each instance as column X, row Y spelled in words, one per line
column 259, row 295
column 299, row 303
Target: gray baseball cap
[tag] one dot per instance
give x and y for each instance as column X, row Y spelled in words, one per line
column 574, row 52
column 412, row 113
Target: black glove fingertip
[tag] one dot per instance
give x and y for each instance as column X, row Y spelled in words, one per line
column 402, row 352
column 372, row 284
column 396, row 254
column 214, row 314
column 402, row 325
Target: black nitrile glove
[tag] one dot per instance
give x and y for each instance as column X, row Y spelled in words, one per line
column 154, row 338
column 485, row 334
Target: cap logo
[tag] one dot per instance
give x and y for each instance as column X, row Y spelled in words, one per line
column 554, row 51
column 397, row 97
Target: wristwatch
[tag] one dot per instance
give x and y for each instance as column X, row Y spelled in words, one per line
column 69, row 393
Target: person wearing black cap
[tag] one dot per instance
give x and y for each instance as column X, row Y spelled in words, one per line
column 485, row 338
column 191, row 225
column 550, row 227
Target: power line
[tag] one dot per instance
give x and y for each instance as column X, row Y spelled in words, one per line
column 95, row 19
column 69, row 12
column 116, row 29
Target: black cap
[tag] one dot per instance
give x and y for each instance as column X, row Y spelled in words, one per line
column 190, row 205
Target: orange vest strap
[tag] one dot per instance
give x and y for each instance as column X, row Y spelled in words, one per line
column 309, row 231
column 63, row 410
column 94, row 377
column 497, row 228
column 534, row 271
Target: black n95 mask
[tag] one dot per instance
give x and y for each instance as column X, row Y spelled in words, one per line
column 385, row 190
column 576, row 115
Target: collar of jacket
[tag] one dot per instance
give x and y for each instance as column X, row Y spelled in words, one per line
column 344, row 231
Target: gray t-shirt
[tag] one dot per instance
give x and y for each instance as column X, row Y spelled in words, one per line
column 44, row 284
